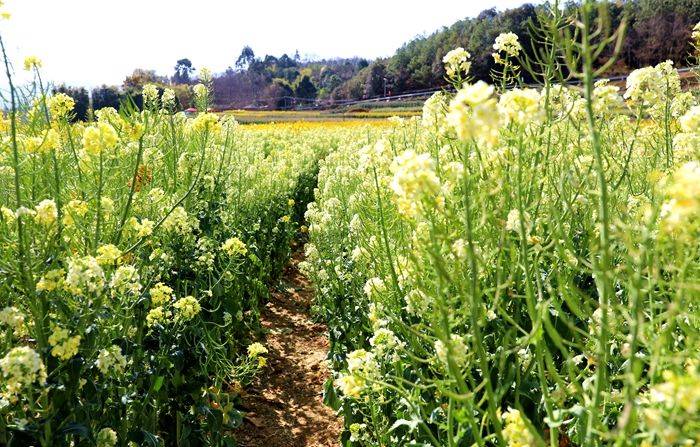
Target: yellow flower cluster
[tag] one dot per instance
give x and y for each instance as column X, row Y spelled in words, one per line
column 21, row 368
column 107, row 438
column 111, row 361
column 108, row 254
column 133, row 130
column 52, row 280
column 178, row 221
column 415, row 180
column 458, row 349
column 64, row 346
column 434, row 111
column 690, row 122
column 362, row 366
column 508, row 43
column 457, row 62
column 350, row 385
column 160, row 294
column 60, row 105
column 653, row 86
column 681, row 391
column 84, row 276
column 107, row 205
column 31, row 63
column 99, row 137
column 43, row 144
column 374, row 286
column 384, row 341
column 473, row 113
column 143, row 228
column 672, row 408
column 158, row 315
column 46, row 212
column 256, row 349
column 520, row 106
column 606, row 98
column 515, row 431
column 150, row 95
column 695, row 35
column 187, row 308
column 74, row 208
column 682, row 208
column 168, row 99
column 200, row 92
column 687, row 143
column 13, row 318
column 8, row 216
column 514, row 220
column 206, row 122
column 125, row 281
column 234, row 247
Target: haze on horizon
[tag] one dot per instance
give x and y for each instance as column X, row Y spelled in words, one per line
column 94, row 42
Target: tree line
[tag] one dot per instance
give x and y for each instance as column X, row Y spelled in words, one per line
column 657, row 30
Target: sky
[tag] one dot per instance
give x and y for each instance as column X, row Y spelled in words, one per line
column 93, row 42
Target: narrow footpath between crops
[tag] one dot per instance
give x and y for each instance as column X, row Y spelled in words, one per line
column 285, row 405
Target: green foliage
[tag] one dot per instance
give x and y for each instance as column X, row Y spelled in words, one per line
column 136, row 251
column 106, row 96
column 183, row 71
column 305, row 88
column 658, row 30
column 519, row 267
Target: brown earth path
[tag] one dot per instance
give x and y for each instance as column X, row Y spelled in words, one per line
column 284, row 407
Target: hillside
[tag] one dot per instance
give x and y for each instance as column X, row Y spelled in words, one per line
column 657, row 30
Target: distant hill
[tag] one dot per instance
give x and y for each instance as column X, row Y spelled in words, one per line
column 657, row 30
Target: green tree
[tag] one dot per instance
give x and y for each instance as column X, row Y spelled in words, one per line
column 376, row 77
column 106, row 96
column 305, row 88
column 183, row 70
column 278, row 95
column 246, row 58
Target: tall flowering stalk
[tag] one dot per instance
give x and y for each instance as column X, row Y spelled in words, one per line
column 544, row 248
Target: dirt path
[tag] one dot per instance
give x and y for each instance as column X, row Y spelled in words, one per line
column 284, row 407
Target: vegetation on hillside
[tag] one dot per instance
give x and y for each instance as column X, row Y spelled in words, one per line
column 657, row 30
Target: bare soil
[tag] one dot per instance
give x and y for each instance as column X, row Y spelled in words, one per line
column 285, row 405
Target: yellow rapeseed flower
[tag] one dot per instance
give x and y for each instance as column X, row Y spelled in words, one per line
column 99, row 137
column 31, row 62
column 64, row 345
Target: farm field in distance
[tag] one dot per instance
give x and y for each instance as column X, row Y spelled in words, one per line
column 281, row 116
column 513, row 261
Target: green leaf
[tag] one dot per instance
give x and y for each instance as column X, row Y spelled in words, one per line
column 157, row 383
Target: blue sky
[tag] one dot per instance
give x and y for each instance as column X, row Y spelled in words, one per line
column 91, row 42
